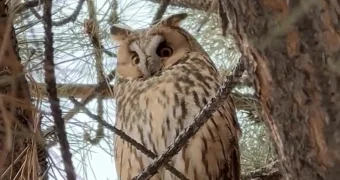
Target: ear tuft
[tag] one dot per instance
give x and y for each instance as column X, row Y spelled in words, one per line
column 174, row 19
column 119, row 33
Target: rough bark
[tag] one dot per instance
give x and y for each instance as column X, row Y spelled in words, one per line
column 21, row 146
column 293, row 52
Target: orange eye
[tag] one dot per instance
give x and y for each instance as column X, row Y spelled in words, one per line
column 164, row 50
column 135, row 59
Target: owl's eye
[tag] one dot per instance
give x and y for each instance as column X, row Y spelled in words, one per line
column 164, row 50
column 135, row 59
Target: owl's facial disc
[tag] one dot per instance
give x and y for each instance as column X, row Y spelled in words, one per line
column 158, row 51
column 149, row 59
column 161, row 52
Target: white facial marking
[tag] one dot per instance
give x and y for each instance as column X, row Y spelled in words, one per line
column 152, row 46
column 154, row 61
column 142, row 59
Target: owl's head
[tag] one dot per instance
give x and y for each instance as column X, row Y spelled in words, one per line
column 142, row 53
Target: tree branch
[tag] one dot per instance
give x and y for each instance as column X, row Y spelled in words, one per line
column 126, row 137
column 160, row 12
column 29, row 4
column 202, row 5
column 245, row 102
column 62, row 22
column 268, row 172
column 50, row 80
column 197, row 123
column 72, row 17
column 87, row 97
column 94, row 36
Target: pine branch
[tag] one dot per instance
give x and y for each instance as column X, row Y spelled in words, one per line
column 50, row 80
column 197, row 123
column 126, row 137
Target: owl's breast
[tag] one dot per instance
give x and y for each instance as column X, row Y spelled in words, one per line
column 174, row 104
column 156, row 111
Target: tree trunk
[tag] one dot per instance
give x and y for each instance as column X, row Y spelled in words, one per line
column 22, row 155
column 292, row 49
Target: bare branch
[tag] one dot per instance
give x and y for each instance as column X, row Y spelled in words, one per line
column 107, row 52
column 72, row 17
column 160, row 12
column 127, row 138
column 202, row 5
column 102, row 86
column 89, row 95
column 52, row 92
column 29, row 4
column 62, row 22
column 197, row 123
column 94, row 36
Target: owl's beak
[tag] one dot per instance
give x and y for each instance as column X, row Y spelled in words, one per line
column 154, row 64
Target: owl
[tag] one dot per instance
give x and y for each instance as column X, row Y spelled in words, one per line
column 163, row 79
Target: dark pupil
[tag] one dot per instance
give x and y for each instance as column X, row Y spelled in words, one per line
column 135, row 59
column 163, row 50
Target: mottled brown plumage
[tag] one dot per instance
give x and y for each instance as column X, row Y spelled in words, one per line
column 164, row 78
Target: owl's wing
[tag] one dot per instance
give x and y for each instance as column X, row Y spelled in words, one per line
column 232, row 168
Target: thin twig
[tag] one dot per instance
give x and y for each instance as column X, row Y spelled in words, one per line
column 98, row 54
column 29, row 4
column 102, row 86
column 160, row 11
column 213, row 6
column 72, row 17
column 50, row 81
column 107, row 52
column 224, row 19
column 98, row 89
column 197, row 123
column 62, row 22
column 126, row 137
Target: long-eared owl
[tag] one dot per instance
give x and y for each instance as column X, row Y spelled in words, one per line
column 163, row 79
